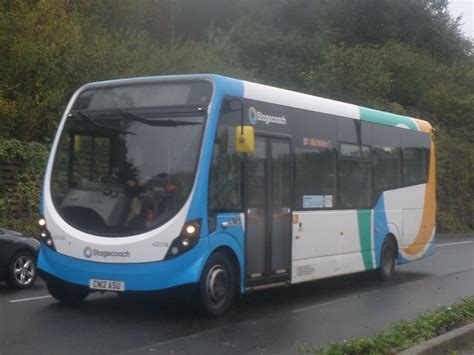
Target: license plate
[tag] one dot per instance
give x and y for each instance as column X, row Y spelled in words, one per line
column 106, row 285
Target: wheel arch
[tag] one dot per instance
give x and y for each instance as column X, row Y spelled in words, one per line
column 18, row 250
column 229, row 243
column 394, row 240
column 232, row 255
column 30, row 244
column 378, row 247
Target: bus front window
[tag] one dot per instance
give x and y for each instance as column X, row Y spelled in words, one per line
column 123, row 171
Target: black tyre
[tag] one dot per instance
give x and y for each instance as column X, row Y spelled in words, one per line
column 217, row 285
column 22, row 270
column 387, row 259
column 67, row 293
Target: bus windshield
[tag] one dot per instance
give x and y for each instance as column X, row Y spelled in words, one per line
column 122, row 171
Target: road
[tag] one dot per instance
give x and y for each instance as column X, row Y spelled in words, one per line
column 275, row 321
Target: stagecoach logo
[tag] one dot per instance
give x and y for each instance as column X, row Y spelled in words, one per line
column 255, row 116
column 89, row 252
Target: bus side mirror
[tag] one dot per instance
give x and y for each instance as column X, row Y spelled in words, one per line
column 232, row 105
column 244, row 139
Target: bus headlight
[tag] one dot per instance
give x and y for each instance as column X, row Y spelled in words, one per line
column 187, row 239
column 45, row 236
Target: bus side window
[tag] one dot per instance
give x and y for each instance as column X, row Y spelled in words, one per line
column 354, row 184
column 315, row 154
column 315, row 175
column 415, row 157
column 386, row 159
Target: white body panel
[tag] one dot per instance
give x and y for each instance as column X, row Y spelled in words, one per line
column 405, row 205
column 327, row 243
column 408, row 198
column 293, row 99
column 326, row 266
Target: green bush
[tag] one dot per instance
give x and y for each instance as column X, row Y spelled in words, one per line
column 19, row 209
column 455, row 181
column 403, row 335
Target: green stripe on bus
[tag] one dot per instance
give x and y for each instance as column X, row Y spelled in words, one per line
column 391, row 119
column 364, row 218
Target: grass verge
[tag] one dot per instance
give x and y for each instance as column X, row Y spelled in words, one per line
column 403, row 335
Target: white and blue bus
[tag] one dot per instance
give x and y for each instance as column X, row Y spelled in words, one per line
column 228, row 186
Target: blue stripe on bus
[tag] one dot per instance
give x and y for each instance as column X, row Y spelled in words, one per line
column 223, row 86
column 232, row 237
column 381, row 228
column 431, row 249
column 183, row 269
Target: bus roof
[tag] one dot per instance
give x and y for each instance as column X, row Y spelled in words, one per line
column 314, row 103
column 265, row 93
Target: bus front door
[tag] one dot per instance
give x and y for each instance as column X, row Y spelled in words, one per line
column 268, row 214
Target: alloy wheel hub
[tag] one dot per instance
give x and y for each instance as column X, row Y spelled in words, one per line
column 24, row 270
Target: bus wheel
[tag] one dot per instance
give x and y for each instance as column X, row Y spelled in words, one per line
column 217, row 285
column 67, row 293
column 387, row 260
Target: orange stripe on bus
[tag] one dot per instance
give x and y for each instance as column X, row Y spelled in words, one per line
column 423, row 125
column 429, row 213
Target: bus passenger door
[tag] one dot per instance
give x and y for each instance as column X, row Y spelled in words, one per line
column 268, row 214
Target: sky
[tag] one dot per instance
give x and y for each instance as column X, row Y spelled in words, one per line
column 466, row 9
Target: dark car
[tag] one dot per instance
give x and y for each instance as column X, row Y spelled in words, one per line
column 18, row 259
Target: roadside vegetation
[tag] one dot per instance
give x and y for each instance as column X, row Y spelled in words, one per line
column 19, row 204
column 401, row 336
column 406, row 57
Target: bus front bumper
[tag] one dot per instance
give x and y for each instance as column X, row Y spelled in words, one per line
column 152, row 276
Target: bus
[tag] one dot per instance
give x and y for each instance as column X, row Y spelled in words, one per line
column 228, row 186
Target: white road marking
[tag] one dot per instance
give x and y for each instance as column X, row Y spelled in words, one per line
column 458, row 243
column 29, row 299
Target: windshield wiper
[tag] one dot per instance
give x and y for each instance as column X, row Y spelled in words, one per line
column 158, row 122
column 95, row 123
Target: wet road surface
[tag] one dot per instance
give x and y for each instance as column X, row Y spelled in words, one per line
column 275, row 321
